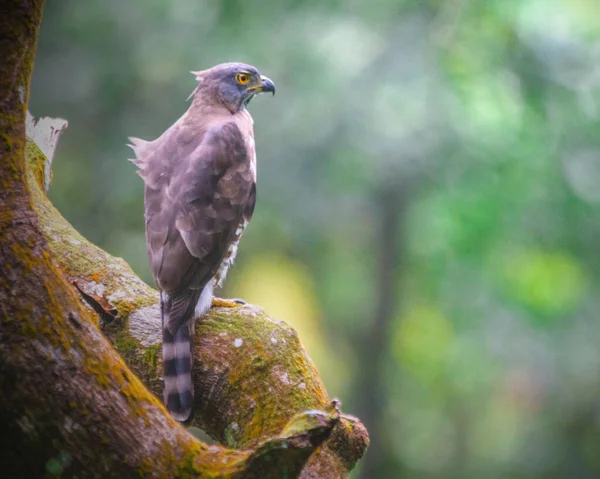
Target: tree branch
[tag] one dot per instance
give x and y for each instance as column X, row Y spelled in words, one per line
column 70, row 403
column 252, row 374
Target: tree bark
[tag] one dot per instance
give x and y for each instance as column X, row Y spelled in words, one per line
column 71, row 406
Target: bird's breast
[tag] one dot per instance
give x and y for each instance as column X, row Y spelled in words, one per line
column 250, row 147
column 245, row 124
column 230, row 254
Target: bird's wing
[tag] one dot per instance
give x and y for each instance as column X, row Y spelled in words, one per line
column 195, row 198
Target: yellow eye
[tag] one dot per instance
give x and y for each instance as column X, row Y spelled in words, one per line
column 242, row 78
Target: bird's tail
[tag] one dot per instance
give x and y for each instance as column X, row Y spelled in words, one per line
column 177, row 365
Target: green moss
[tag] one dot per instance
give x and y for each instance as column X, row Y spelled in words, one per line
column 256, row 366
column 127, row 306
column 150, row 357
column 80, row 260
column 199, row 460
column 36, row 163
column 125, row 344
column 262, row 375
column 97, row 369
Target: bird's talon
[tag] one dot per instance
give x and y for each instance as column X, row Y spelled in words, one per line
column 223, row 303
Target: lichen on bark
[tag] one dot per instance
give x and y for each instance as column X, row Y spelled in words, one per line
column 252, row 375
column 72, row 406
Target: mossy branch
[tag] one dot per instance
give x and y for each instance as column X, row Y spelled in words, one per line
column 71, row 405
column 252, row 375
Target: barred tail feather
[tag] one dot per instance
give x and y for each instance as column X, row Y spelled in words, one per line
column 178, row 314
column 177, row 369
column 177, row 363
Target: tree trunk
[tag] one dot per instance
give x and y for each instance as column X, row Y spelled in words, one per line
column 392, row 201
column 71, row 406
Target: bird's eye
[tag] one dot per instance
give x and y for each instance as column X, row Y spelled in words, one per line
column 242, row 78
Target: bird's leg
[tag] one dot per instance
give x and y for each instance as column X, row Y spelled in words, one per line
column 226, row 303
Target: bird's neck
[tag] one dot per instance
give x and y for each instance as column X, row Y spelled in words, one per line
column 214, row 108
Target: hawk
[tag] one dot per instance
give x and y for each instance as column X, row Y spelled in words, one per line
column 199, row 195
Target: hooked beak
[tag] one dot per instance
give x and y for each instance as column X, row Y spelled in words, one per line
column 266, row 85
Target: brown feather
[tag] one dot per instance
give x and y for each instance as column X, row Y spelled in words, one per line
column 200, row 191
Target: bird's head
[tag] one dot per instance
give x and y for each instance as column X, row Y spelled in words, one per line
column 231, row 84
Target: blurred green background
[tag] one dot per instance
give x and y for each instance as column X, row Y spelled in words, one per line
column 428, row 211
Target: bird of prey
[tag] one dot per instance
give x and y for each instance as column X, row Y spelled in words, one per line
column 200, row 191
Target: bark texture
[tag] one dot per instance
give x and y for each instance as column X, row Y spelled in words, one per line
column 72, row 406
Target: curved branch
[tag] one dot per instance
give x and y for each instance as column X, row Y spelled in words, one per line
column 70, row 403
column 252, row 376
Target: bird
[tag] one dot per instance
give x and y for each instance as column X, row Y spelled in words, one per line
column 199, row 195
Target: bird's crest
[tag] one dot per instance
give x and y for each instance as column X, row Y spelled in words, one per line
column 199, row 75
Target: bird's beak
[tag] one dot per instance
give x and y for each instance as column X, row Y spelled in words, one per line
column 266, row 85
